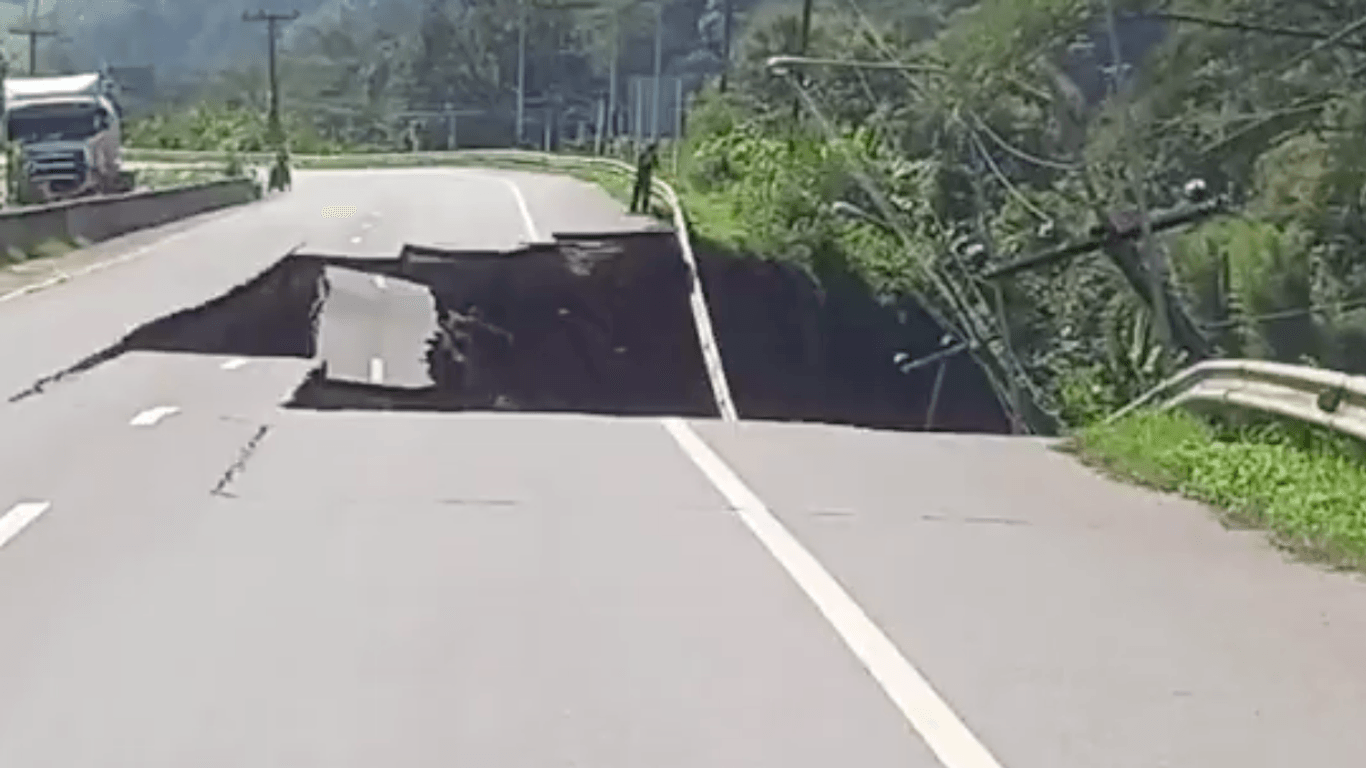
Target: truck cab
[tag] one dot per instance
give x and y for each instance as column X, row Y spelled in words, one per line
column 68, row 133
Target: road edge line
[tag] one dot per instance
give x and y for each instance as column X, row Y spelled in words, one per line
column 923, row 708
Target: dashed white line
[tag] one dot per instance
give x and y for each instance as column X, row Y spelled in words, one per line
column 355, row 240
column 234, row 364
column 151, row 416
column 380, row 282
column 910, row 692
column 376, row 370
column 19, row 517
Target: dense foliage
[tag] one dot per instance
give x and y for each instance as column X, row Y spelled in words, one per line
column 1006, row 140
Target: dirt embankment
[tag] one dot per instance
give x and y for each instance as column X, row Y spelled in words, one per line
column 795, row 350
column 596, row 325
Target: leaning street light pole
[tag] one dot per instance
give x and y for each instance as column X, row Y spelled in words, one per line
column 611, row 117
column 271, row 20
column 726, row 20
column 781, row 65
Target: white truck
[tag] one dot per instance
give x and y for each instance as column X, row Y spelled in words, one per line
column 66, row 130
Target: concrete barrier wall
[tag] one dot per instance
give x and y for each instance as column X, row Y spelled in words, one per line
column 100, row 218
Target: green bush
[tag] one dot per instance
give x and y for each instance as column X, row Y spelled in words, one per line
column 1306, row 485
column 213, row 127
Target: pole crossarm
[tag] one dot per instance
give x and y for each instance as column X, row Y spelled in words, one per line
column 33, row 33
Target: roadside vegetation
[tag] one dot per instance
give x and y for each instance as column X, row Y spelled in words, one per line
column 1305, row 485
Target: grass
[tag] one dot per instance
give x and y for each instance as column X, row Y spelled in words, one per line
column 163, row 178
column 49, row 248
column 1307, row 487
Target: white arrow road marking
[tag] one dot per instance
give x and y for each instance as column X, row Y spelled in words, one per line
column 18, row 518
column 151, row 416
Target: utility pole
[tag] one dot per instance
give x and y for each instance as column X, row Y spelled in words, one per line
column 805, row 43
column 33, row 33
column 1151, row 256
column 271, row 20
column 806, row 27
column 727, row 19
column 521, row 73
column 612, row 78
column 659, row 64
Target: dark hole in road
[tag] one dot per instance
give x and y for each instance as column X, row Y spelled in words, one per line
column 593, row 324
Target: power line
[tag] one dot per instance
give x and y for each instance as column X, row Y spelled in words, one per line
column 1243, row 26
column 1285, row 314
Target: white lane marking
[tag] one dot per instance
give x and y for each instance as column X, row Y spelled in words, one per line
column 527, row 221
column 151, row 416
column 380, row 282
column 376, row 370
column 355, row 240
column 97, row 266
column 234, row 364
column 18, row 518
column 923, row 708
column 366, row 224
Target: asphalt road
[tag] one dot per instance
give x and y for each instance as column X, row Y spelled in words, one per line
column 373, row 329
column 191, row 576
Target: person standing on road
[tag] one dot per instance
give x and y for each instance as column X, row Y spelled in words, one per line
column 279, row 172
column 645, row 168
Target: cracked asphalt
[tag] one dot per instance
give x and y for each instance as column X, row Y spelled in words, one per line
column 191, row 575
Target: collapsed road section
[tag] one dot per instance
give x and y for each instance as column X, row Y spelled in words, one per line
column 590, row 324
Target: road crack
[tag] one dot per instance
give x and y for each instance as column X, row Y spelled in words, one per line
column 240, row 465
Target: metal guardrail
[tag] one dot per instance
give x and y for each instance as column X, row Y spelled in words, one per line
column 517, row 159
column 1328, row 399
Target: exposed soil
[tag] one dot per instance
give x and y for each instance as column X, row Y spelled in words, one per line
column 794, row 350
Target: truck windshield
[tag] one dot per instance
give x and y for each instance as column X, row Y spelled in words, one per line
column 27, row 126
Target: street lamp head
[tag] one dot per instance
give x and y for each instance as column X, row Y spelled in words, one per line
column 843, row 208
column 780, row 65
column 1196, row 190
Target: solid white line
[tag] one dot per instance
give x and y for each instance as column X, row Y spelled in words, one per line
column 96, row 267
column 380, row 282
column 927, row 713
column 376, row 370
column 151, row 416
column 234, row 364
column 18, row 518
column 527, row 221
